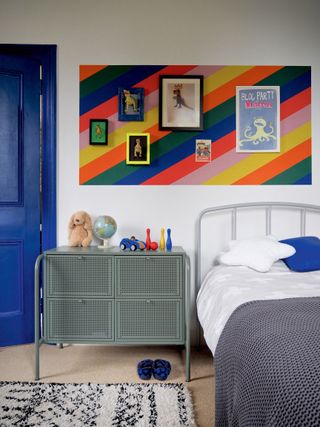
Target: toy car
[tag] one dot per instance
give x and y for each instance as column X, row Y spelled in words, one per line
column 133, row 244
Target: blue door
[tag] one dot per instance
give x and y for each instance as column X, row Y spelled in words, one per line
column 19, row 196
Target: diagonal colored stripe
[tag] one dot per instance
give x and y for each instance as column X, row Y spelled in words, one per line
column 228, row 90
column 257, row 160
column 278, row 165
column 293, row 175
column 86, row 71
column 295, row 103
column 110, row 89
column 304, row 180
column 101, row 78
column 188, row 165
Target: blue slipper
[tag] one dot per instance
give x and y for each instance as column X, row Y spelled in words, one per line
column 144, row 369
column 161, row 369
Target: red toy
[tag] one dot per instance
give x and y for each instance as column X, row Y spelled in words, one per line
column 148, row 240
column 154, row 246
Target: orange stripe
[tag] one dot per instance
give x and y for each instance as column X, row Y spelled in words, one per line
column 296, row 103
column 150, row 84
column 86, row 71
column 228, row 90
column 114, row 157
column 189, row 165
column 277, row 165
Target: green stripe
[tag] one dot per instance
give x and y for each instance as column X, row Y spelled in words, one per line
column 101, row 78
column 291, row 175
column 173, row 140
column 284, row 75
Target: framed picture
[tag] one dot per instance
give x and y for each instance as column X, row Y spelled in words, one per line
column 181, row 103
column 258, row 119
column 98, row 132
column 131, row 104
column 203, row 150
column 138, row 149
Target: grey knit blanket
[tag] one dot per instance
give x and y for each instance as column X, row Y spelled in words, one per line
column 268, row 365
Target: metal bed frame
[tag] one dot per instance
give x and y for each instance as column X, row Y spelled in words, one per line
column 269, row 207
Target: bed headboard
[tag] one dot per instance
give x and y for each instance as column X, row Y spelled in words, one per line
column 269, row 207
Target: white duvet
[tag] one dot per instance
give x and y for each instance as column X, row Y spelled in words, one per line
column 225, row 288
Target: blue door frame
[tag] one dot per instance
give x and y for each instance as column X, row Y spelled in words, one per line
column 46, row 55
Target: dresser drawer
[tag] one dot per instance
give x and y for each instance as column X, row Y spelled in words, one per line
column 79, row 319
column 79, row 275
column 149, row 276
column 149, row 321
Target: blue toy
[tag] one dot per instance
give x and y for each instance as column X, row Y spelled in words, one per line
column 133, row 244
column 169, row 242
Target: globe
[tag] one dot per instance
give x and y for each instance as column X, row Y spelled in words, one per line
column 104, row 228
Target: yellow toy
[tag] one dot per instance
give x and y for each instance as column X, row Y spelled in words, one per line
column 162, row 241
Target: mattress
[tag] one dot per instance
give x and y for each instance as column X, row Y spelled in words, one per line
column 225, row 288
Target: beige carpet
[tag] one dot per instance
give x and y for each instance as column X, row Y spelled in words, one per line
column 102, row 364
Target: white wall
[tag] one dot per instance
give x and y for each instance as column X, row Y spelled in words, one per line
column 229, row 32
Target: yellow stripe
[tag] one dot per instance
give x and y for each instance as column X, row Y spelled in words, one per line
column 257, row 160
column 223, row 76
column 90, row 153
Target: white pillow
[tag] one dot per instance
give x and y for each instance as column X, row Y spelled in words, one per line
column 258, row 253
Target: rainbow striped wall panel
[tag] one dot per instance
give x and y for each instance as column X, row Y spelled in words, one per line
column 172, row 153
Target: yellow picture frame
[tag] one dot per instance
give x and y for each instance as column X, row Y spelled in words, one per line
column 138, row 149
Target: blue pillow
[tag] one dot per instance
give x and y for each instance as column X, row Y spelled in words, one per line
column 307, row 256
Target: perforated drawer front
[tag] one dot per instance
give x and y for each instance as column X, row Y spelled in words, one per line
column 152, row 320
column 76, row 319
column 153, row 276
column 71, row 275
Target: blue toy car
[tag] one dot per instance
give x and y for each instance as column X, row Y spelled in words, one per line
column 133, row 244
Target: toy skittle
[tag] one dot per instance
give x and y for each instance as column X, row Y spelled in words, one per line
column 169, row 242
column 162, row 241
column 148, row 240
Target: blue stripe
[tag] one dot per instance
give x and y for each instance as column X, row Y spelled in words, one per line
column 179, row 153
column 295, row 86
column 108, row 91
column 305, row 180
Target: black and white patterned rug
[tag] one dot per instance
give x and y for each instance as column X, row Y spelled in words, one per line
column 53, row 405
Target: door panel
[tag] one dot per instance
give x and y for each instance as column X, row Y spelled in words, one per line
column 19, row 195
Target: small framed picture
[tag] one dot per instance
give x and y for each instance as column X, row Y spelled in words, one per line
column 181, row 103
column 98, row 132
column 203, row 150
column 138, row 149
column 131, row 104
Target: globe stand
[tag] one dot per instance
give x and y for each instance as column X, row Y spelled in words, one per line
column 106, row 244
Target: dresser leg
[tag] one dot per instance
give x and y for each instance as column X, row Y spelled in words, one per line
column 37, row 318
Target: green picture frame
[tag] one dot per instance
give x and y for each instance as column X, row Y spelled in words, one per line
column 98, row 132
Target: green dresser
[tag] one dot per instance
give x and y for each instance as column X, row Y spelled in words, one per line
column 114, row 297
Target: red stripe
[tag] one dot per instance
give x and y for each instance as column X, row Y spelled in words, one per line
column 295, row 103
column 189, row 165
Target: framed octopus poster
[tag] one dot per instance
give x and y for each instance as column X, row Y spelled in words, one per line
column 257, row 119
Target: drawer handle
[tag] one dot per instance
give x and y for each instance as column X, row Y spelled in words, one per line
column 148, row 301
column 81, row 301
column 80, row 257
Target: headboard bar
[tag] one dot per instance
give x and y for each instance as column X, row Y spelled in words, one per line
column 268, row 206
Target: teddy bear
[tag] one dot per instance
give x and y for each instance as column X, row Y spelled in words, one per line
column 80, row 229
